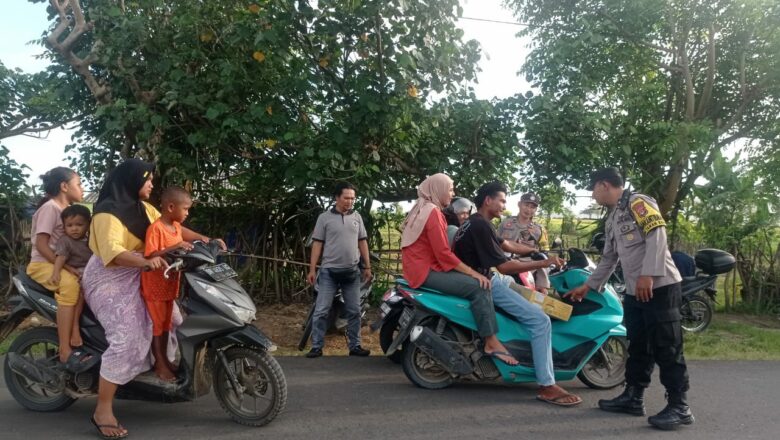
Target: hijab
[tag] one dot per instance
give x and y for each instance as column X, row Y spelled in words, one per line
column 432, row 193
column 119, row 195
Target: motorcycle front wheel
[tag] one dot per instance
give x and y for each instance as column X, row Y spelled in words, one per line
column 696, row 313
column 262, row 388
column 607, row 368
column 41, row 346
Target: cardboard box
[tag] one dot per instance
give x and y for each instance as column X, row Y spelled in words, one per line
column 551, row 306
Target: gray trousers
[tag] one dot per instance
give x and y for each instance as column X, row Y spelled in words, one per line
column 327, row 285
column 463, row 286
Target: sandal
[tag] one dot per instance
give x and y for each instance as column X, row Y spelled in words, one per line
column 80, row 361
column 559, row 399
column 100, row 429
column 495, row 355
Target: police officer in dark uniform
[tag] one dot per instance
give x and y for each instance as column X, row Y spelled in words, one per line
column 635, row 234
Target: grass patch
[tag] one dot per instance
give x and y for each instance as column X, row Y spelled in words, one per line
column 7, row 343
column 729, row 338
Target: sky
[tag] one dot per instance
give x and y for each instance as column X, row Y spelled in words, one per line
column 502, row 57
column 19, row 25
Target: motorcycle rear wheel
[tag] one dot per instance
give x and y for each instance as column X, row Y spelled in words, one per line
column 42, row 346
column 422, row 370
column 696, row 313
column 261, row 379
column 607, row 368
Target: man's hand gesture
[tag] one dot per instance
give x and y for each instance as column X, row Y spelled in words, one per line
column 576, row 294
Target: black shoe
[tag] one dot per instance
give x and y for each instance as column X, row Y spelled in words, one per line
column 314, row 353
column 676, row 413
column 632, row 402
column 359, row 351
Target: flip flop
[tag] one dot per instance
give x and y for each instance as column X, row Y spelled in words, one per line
column 558, row 400
column 495, row 355
column 106, row 436
column 80, row 361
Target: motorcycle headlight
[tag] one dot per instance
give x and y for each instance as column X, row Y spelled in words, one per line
column 242, row 313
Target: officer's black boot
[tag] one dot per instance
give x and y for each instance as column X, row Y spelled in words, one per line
column 632, row 402
column 676, row 413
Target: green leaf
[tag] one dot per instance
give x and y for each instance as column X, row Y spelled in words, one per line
column 213, row 113
column 407, row 62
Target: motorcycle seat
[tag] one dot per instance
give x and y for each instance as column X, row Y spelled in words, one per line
column 420, row 289
column 32, row 284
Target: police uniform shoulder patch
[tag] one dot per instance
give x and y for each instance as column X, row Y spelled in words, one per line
column 646, row 215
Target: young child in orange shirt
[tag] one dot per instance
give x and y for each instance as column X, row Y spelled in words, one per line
column 162, row 236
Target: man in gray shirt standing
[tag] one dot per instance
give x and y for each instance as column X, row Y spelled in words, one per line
column 635, row 234
column 340, row 238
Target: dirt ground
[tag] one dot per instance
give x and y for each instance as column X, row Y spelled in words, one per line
column 284, row 325
column 763, row 321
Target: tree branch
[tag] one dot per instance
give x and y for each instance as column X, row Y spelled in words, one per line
column 21, row 127
column 706, row 95
column 100, row 92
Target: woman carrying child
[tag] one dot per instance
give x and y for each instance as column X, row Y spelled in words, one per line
column 63, row 188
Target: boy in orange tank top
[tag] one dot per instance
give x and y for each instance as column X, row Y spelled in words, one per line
column 163, row 236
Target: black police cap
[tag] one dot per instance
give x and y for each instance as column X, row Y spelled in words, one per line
column 610, row 174
column 531, row 198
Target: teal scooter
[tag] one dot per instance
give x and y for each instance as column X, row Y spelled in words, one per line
column 438, row 343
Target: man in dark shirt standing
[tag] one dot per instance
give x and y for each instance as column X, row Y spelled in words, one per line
column 478, row 246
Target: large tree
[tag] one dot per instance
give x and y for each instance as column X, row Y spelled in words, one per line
column 656, row 87
column 272, row 97
column 260, row 106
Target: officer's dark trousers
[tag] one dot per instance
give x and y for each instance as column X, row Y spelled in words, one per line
column 655, row 337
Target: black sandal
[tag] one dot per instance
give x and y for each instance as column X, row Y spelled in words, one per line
column 80, row 361
column 106, row 436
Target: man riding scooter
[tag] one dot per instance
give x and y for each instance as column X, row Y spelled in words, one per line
column 478, row 246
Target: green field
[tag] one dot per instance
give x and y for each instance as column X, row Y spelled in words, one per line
column 736, row 337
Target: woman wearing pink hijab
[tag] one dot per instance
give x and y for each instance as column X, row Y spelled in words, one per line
column 428, row 261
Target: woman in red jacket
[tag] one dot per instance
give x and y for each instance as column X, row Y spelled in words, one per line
column 429, row 262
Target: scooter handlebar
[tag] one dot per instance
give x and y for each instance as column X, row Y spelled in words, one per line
column 175, row 266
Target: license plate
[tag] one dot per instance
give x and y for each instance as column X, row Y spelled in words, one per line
column 406, row 318
column 220, row 272
column 385, row 309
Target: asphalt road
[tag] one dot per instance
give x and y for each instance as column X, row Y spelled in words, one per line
column 357, row 398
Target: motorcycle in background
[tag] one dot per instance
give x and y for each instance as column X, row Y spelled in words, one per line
column 698, row 290
column 337, row 320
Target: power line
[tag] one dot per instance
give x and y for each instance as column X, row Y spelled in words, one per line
column 488, row 20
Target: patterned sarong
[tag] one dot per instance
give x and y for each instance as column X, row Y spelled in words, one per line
column 114, row 296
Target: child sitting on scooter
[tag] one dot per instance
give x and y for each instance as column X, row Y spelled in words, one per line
column 72, row 252
column 163, row 236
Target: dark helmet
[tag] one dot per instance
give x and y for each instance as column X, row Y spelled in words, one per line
column 597, row 241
